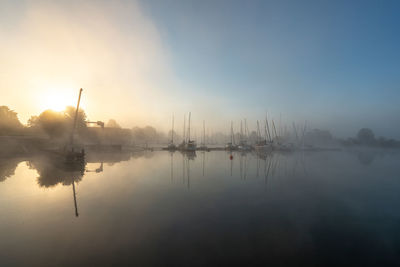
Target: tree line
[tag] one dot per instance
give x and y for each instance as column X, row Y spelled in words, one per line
column 57, row 126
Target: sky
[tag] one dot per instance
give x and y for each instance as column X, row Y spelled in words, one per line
column 334, row 64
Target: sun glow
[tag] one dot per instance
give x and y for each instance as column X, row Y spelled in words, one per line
column 57, row 100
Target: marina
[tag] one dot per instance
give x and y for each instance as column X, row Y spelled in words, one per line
column 199, row 133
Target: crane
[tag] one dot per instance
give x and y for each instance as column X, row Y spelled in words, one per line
column 99, row 123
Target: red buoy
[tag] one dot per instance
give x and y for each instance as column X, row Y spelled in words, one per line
column 231, row 157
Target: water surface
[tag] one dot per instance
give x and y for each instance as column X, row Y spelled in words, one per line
column 163, row 209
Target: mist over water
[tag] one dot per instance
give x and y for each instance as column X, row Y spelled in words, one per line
column 161, row 208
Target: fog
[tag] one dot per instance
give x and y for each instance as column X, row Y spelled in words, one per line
column 199, row 133
column 127, row 60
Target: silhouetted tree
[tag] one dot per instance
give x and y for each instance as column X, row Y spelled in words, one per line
column 69, row 113
column 390, row 143
column 58, row 124
column 147, row 134
column 112, row 124
column 9, row 122
column 33, row 121
column 366, row 136
column 7, row 167
column 53, row 123
column 51, row 174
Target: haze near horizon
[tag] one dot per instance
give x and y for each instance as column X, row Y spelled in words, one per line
column 332, row 63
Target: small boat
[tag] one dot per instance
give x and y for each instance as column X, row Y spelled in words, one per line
column 243, row 146
column 229, row 146
column 263, row 146
column 170, row 147
column 190, row 145
column 70, row 152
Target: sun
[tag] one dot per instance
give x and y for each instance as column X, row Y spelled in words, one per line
column 57, row 100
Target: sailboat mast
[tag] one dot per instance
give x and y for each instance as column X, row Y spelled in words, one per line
column 273, row 124
column 246, row 129
column 75, row 203
column 265, row 131
column 75, row 118
column 303, row 134
column 189, row 128
column 204, row 132
column 232, row 132
column 241, row 131
column 184, row 128
column 266, row 122
column 172, row 138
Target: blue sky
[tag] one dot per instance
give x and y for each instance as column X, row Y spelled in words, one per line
column 336, row 63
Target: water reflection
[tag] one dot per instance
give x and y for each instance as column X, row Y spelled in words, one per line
column 52, row 172
column 97, row 170
column 366, row 157
column 7, row 167
column 75, row 202
column 150, row 208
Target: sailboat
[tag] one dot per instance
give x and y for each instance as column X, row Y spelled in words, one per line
column 191, row 145
column 171, row 146
column 278, row 145
column 71, row 153
column 243, row 146
column 231, row 145
column 263, row 145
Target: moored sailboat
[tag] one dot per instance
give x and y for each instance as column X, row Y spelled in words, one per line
column 190, row 145
column 231, row 145
column 262, row 145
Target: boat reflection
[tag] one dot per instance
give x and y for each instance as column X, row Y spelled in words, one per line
column 52, row 172
column 99, row 169
column 272, row 167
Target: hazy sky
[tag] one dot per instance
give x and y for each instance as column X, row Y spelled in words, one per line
column 333, row 63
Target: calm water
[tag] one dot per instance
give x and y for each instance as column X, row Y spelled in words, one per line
column 162, row 209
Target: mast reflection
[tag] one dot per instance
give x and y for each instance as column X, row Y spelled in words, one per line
column 75, row 202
